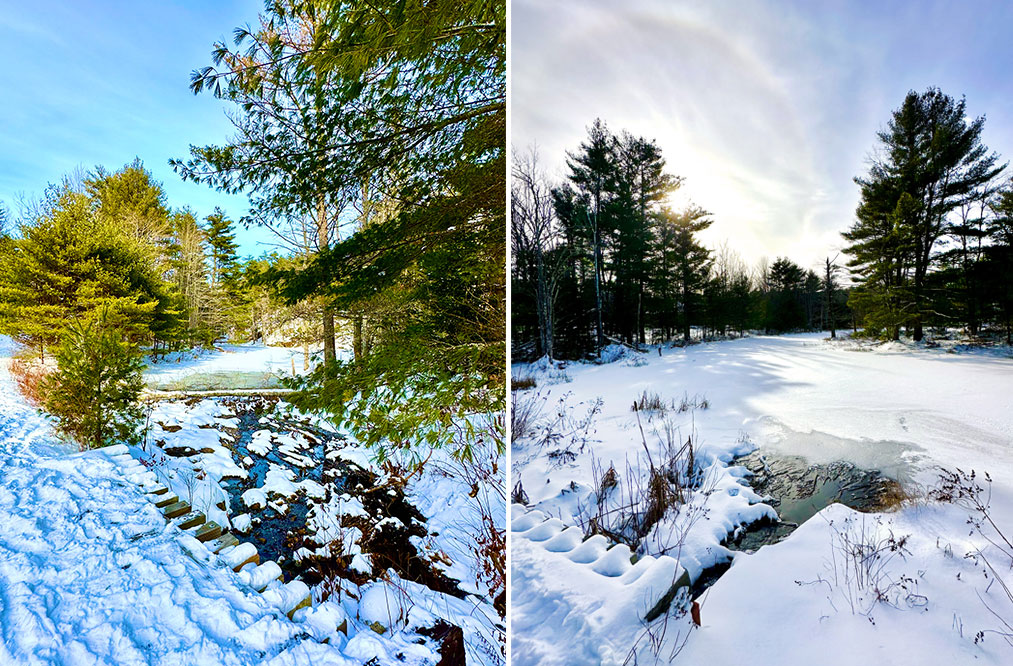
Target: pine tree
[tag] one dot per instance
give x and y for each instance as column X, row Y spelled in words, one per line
column 643, row 184
column 131, row 200
column 189, row 271
column 689, row 262
column 6, row 223
column 93, row 393
column 788, row 287
column 69, row 263
column 221, row 241
column 996, row 269
column 411, row 99
column 593, row 173
column 932, row 160
column 830, row 289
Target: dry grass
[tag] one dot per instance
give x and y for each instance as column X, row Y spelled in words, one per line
column 649, row 402
column 29, row 374
column 525, row 410
column 653, row 403
column 522, row 382
column 660, row 497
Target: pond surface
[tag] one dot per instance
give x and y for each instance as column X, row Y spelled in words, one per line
column 798, row 490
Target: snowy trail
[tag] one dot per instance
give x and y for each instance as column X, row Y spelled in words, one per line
column 91, row 574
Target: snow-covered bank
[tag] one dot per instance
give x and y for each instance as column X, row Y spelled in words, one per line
column 91, row 572
column 905, row 412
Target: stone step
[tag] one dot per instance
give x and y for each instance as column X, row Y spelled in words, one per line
column 157, row 490
column 289, row 597
column 176, row 510
column 209, row 531
column 241, row 555
column 259, row 576
column 116, row 450
column 164, row 500
column 142, row 478
column 226, row 540
column 192, row 519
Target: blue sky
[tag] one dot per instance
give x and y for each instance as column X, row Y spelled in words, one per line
column 767, row 108
column 89, row 83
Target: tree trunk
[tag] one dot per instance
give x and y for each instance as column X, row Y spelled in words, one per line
column 641, row 333
column 597, row 286
column 685, row 310
column 918, row 334
column 357, row 350
column 329, row 348
column 323, row 242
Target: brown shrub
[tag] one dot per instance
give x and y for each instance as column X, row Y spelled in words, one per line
column 522, row 382
column 491, row 551
column 660, row 496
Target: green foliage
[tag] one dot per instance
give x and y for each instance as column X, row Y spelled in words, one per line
column 130, row 200
column 6, row 224
column 682, row 267
column 221, row 240
column 70, row 262
column 93, row 394
column 407, row 100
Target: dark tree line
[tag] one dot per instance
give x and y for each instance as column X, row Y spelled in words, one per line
column 600, row 259
column 931, row 243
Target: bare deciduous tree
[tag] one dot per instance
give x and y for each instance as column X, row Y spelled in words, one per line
column 533, row 235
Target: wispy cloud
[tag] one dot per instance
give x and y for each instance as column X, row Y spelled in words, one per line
column 768, row 109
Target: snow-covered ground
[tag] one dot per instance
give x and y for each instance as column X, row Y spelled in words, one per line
column 91, row 573
column 903, row 409
column 228, row 366
column 198, row 450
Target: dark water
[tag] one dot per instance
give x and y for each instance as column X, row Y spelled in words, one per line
column 276, row 534
column 799, row 490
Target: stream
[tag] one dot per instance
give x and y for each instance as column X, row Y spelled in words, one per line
column 265, row 438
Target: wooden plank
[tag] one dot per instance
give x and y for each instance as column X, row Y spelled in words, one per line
column 223, row 542
column 176, row 510
column 165, row 500
column 193, row 519
column 209, row 531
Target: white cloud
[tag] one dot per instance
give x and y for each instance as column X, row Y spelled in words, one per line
column 768, row 109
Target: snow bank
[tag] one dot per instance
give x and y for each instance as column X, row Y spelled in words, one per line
column 904, row 410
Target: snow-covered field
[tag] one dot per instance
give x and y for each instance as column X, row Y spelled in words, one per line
column 91, row 572
column 902, row 409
